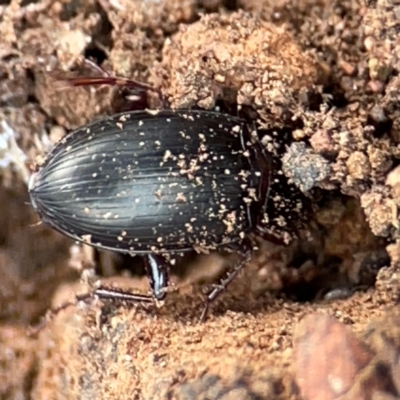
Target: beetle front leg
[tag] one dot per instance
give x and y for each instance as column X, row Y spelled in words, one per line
column 226, row 280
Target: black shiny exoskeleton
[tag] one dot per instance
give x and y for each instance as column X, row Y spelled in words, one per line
column 163, row 182
column 160, row 183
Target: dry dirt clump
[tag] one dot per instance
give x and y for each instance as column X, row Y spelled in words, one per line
column 330, row 28
column 317, row 319
column 237, row 55
column 244, row 353
column 139, row 29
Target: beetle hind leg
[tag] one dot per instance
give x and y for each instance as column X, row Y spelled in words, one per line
column 107, row 79
column 157, row 272
column 103, row 293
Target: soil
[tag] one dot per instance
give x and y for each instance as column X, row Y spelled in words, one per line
column 314, row 316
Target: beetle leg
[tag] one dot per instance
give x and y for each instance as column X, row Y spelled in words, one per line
column 224, row 282
column 105, row 293
column 95, row 67
column 102, row 293
column 157, row 272
column 106, row 78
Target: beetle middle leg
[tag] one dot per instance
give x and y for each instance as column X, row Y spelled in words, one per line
column 230, row 275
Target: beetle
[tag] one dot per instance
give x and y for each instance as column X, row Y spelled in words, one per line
column 160, row 183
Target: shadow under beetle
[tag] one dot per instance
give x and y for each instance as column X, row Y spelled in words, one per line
column 159, row 184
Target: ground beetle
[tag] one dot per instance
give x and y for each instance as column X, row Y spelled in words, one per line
column 159, row 184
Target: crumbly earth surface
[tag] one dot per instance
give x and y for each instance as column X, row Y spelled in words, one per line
column 315, row 319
